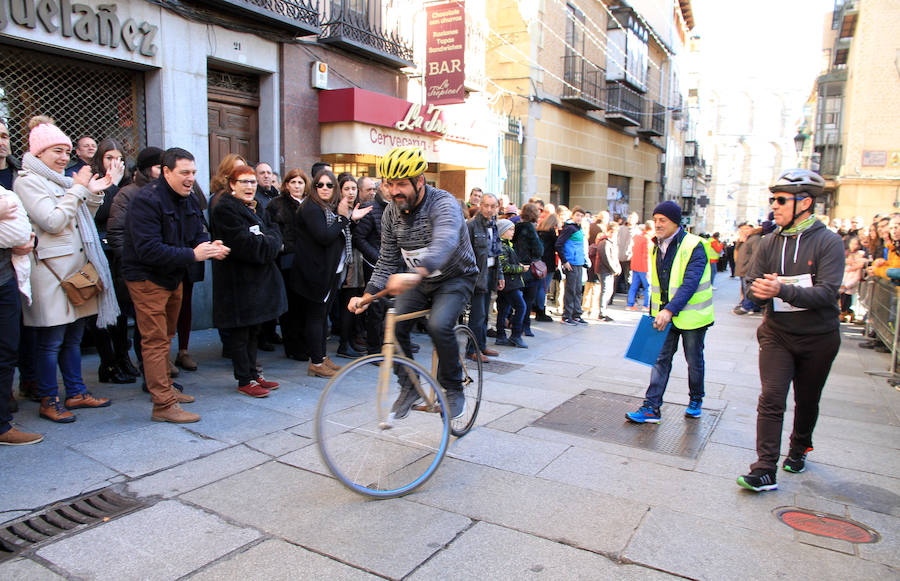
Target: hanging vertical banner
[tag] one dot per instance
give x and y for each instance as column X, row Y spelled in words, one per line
column 445, row 66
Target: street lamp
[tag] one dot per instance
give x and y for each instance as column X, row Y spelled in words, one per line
column 799, row 140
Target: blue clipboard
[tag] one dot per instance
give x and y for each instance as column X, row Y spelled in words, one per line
column 647, row 342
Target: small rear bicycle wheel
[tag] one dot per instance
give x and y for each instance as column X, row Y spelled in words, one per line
column 368, row 450
column 472, row 380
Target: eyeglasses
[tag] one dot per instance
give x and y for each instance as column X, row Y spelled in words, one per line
column 324, row 185
column 247, row 182
column 782, row 200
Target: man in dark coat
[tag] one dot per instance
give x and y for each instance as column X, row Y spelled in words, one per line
column 164, row 235
column 367, row 239
column 486, row 244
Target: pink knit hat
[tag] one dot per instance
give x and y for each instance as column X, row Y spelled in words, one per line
column 46, row 135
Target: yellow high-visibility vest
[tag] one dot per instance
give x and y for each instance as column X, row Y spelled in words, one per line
column 698, row 312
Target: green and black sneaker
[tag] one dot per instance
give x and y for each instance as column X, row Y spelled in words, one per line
column 796, row 463
column 758, row 481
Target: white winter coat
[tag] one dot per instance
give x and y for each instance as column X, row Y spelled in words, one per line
column 51, row 210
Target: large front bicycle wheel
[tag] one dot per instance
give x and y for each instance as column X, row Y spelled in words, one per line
column 360, row 441
column 471, row 380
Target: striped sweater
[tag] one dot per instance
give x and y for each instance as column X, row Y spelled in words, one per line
column 432, row 235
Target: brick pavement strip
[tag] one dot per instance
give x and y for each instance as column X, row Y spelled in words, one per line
column 242, row 494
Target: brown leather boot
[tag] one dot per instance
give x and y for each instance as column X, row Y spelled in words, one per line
column 173, row 371
column 54, row 411
column 320, row 370
column 331, row 364
column 183, row 397
column 184, row 361
column 87, row 400
column 173, row 414
column 14, row 437
column 29, row 390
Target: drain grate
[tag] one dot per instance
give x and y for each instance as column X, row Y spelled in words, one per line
column 59, row 519
column 601, row 415
column 826, row 525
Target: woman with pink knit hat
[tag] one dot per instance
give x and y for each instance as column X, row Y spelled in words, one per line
column 61, row 212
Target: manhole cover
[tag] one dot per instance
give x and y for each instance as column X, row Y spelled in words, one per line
column 62, row 518
column 826, row 525
column 502, row 367
column 601, row 415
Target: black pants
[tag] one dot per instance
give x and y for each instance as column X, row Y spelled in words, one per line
column 242, row 343
column 312, row 316
column 375, row 325
column 785, row 358
column 348, row 320
column 10, row 313
column 447, row 300
column 529, row 293
column 292, row 321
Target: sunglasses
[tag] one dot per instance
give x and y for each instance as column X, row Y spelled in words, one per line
column 782, row 200
column 324, row 185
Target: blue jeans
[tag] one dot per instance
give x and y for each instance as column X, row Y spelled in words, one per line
column 540, row 298
column 528, row 294
column 746, row 303
column 692, row 340
column 478, row 316
column 10, row 312
column 515, row 302
column 447, row 301
column 60, row 345
column 639, row 281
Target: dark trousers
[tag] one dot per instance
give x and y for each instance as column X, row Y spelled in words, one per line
column 529, row 293
column 243, row 343
column 348, row 320
column 447, row 301
column 10, row 313
column 692, row 340
column 623, row 280
column 312, row 317
column 785, row 358
column 514, row 310
column 185, row 314
column 292, row 321
column 375, row 325
column 573, row 293
column 478, row 316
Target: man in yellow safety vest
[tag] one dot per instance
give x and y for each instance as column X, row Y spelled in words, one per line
column 681, row 294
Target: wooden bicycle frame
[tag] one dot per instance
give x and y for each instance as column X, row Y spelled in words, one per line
column 384, row 373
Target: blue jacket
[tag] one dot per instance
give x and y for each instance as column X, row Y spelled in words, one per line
column 570, row 244
column 692, row 274
column 161, row 230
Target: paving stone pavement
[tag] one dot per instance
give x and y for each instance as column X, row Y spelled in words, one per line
column 243, row 494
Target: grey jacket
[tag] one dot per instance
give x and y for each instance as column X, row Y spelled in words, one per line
column 434, row 231
column 481, row 245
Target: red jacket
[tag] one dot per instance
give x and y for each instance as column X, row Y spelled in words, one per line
column 640, row 253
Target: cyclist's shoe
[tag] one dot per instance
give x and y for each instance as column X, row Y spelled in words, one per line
column 456, row 401
column 694, row 408
column 645, row 414
column 795, row 462
column 407, row 399
column 758, row 481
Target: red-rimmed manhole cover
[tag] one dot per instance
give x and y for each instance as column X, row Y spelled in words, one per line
column 826, row 525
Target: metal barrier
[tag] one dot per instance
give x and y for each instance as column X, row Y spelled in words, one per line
column 880, row 297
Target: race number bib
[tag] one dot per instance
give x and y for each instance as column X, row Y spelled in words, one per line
column 800, row 280
column 413, row 259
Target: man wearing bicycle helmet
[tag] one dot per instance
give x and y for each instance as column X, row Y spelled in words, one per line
column 426, row 258
column 796, row 274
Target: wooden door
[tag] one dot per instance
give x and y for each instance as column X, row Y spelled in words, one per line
column 232, row 129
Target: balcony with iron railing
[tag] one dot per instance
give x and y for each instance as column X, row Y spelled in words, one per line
column 654, row 121
column 623, row 105
column 583, row 86
column 296, row 17
column 362, row 32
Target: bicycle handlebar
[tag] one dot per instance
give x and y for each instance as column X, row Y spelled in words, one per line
column 365, row 301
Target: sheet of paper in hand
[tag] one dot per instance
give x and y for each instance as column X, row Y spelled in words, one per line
column 801, row 280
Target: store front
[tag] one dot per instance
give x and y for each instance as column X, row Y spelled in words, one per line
column 137, row 72
column 358, row 127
